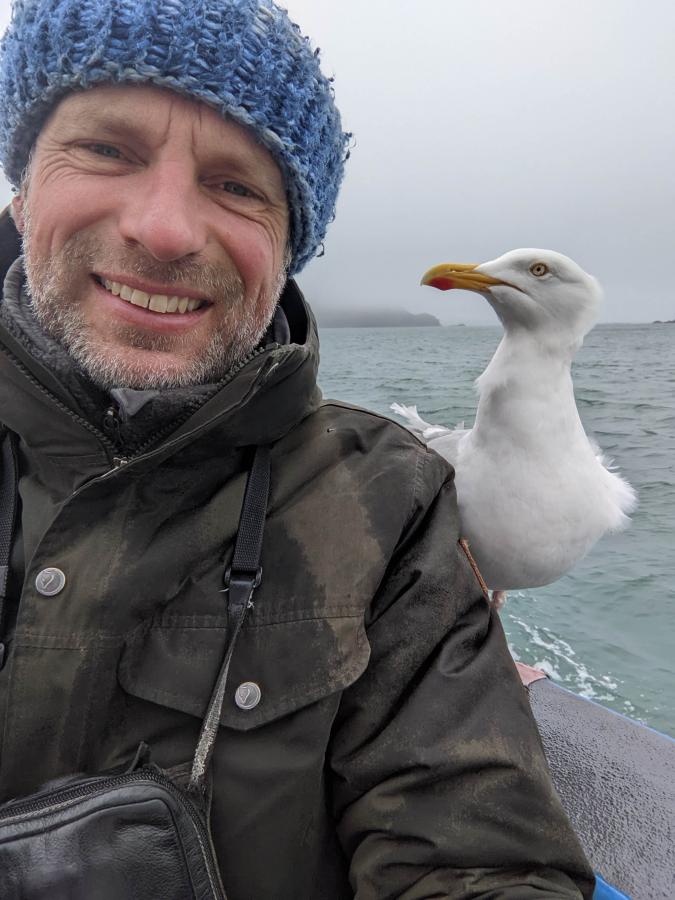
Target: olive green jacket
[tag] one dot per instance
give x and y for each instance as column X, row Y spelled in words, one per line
column 392, row 754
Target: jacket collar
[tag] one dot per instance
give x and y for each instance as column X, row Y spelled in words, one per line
column 256, row 404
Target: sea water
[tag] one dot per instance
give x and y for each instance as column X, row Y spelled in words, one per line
column 606, row 630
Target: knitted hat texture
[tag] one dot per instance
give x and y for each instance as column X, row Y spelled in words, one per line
column 244, row 58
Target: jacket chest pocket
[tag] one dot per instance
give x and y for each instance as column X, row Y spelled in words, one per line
column 277, row 667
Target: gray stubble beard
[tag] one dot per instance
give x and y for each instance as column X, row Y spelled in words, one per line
column 241, row 326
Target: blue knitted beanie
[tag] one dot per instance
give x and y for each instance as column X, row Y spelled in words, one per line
column 244, row 58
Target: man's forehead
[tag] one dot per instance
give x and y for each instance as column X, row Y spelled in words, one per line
column 147, row 113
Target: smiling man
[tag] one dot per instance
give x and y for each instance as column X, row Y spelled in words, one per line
column 171, row 277
column 175, row 165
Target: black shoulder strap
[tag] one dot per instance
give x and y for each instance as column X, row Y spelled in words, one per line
column 8, row 498
column 241, row 579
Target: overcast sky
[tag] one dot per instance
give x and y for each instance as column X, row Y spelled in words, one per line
column 485, row 125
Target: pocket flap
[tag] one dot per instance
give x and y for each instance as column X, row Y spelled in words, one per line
column 296, row 663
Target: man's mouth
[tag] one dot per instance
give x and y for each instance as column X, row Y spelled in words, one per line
column 159, row 303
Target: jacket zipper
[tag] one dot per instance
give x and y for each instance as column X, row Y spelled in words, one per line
column 118, row 460
column 195, row 405
column 92, row 429
column 58, row 800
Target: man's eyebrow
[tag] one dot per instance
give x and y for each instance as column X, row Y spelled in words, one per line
column 115, row 125
column 111, row 123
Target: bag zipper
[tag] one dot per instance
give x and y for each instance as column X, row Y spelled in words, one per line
column 59, row 799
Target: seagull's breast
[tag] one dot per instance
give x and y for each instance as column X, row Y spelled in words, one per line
column 529, row 517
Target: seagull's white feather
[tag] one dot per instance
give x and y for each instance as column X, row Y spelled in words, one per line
column 448, row 445
column 418, row 426
column 533, row 491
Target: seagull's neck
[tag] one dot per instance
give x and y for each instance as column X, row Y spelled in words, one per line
column 526, row 393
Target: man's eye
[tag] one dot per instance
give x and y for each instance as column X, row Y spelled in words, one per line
column 239, row 190
column 104, row 150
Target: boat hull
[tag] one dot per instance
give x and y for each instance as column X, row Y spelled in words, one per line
column 616, row 780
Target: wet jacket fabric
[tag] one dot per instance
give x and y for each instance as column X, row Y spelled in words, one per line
column 392, row 753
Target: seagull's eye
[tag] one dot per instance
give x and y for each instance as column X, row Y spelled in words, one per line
column 539, row 269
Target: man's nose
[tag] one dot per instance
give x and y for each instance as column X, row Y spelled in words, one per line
column 160, row 213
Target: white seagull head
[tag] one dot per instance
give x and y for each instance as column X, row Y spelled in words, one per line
column 537, row 290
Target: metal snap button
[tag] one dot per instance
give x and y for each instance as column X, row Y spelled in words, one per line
column 247, row 695
column 50, row 581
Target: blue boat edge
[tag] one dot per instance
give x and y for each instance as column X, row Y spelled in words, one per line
column 604, row 891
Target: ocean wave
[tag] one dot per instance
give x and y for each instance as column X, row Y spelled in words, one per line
column 552, row 654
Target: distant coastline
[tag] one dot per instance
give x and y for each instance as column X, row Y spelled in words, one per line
column 374, row 318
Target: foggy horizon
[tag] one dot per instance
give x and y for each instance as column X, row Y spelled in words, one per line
column 483, row 127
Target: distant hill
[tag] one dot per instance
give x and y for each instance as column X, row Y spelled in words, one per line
column 373, row 318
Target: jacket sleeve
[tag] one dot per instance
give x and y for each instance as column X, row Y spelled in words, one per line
column 440, row 785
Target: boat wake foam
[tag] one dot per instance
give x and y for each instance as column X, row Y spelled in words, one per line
column 538, row 646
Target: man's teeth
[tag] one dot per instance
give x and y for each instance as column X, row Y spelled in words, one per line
column 160, row 303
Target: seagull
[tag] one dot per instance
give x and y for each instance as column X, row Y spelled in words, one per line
column 534, row 492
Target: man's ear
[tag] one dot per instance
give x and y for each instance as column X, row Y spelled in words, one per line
column 17, row 212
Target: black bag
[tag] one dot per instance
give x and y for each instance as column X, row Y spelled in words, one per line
column 134, row 835
column 108, row 838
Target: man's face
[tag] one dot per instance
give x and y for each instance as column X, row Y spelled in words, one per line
column 138, row 187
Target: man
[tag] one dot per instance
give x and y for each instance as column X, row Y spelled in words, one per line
column 176, row 163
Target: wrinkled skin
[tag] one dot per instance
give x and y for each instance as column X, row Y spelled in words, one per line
column 137, row 181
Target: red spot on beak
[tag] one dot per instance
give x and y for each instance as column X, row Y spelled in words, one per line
column 442, row 283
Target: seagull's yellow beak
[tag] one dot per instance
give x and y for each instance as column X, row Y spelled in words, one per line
column 459, row 275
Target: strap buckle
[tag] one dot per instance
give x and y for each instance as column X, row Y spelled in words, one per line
column 227, row 578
